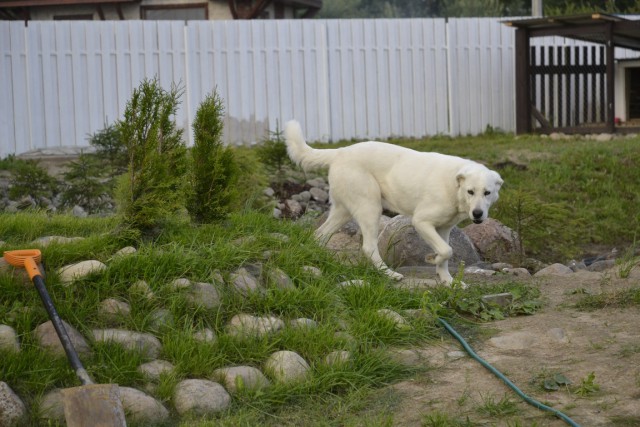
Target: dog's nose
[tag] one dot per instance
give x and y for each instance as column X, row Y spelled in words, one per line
column 477, row 213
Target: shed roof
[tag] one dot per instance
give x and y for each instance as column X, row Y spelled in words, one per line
column 588, row 27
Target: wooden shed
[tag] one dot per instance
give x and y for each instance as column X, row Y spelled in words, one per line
column 573, row 89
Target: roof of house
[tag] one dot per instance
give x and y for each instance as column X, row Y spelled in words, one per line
column 587, row 27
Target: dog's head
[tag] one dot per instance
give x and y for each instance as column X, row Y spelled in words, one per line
column 478, row 189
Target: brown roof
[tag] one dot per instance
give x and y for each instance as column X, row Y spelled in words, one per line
column 588, row 27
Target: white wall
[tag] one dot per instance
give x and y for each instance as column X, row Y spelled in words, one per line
column 61, row 81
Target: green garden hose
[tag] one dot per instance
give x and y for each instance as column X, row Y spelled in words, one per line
column 504, row 379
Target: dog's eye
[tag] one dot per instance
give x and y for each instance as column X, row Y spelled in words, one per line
column 470, row 192
column 486, row 193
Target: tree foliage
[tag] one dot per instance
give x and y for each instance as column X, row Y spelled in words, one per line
column 154, row 187
column 214, row 169
column 467, row 8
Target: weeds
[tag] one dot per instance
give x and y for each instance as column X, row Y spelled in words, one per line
column 500, row 408
column 587, row 386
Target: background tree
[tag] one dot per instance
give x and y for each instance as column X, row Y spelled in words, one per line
column 154, row 188
column 214, row 169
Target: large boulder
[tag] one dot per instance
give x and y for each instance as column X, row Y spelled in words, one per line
column 401, row 245
column 495, row 241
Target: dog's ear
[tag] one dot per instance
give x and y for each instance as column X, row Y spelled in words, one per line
column 498, row 178
column 461, row 176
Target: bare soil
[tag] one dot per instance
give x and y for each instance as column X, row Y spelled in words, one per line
column 558, row 339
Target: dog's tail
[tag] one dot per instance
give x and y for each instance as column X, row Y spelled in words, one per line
column 303, row 155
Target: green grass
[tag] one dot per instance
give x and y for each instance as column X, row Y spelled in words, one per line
column 588, row 188
column 199, row 253
column 614, row 299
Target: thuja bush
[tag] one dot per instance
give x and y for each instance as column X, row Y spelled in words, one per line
column 153, row 189
column 85, row 184
column 272, row 152
column 214, row 169
column 112, row 149
column 28, row 178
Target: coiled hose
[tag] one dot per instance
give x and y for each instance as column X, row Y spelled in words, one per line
column 504, row 379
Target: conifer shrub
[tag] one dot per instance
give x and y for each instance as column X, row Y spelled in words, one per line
column 214, row 169
column 28, row 178
column 112, row 149
column 153, row 189
column 85, row 184
column 272, row 152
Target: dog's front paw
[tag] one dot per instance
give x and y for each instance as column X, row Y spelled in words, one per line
column 394, row 275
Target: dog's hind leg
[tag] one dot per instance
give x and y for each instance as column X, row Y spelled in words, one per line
column 369, row 221
column 338, row 216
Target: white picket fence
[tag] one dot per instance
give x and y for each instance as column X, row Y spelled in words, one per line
column 342, row 79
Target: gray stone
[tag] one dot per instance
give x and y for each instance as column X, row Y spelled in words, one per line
column 244, row 283
column 494, row 240
column 601, row 265
column 312, row 271
column 47, row 240
column 479, row 271
column 396, row 318
column 338, row 357
column 203, row 295
column 318, row 182
column 237, row 378
column 113, row 310
column 48, row 338
column 400, row 245
column 303, row 323
column 76, row 271
column 141, row 288
column 79, row 212
column 554, row 270
column 146, row 344
column 52, row 406
column 279, row 279
column 205, row 335
column 154, row 369
column 294, row 207
column 161, row 319
column 518, row 272
column 9, row 339
column 269, row 192
column 142, row 408
column 180, row 283
column 200, row 397
column 12, row 409
column 127, row 250
column 502, row 299
column 287, row 366
column 319, row 194
column 513, row 341
column 246, row 325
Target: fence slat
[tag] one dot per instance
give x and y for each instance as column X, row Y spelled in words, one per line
column 342, row 79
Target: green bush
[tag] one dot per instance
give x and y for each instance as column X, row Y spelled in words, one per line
column 157, row 157
column 110, row 147
column 28, row 178
column 214, row 170
column 84, row 185
column 272, row 152
column 546, row 231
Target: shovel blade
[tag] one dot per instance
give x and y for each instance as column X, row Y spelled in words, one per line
column 94, row 405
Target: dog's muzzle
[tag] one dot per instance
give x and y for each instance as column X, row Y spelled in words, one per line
column 477, row 216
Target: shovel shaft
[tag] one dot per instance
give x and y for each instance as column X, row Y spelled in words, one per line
column 72, row 355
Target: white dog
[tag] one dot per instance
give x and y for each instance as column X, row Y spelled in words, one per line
column 436, row 190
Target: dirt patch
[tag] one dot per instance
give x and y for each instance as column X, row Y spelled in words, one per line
column 559, row 339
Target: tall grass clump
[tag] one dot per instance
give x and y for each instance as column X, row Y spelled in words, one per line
column 214, row 169
column 154, row 186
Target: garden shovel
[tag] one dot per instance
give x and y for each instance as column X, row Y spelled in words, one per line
column 95, row 405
